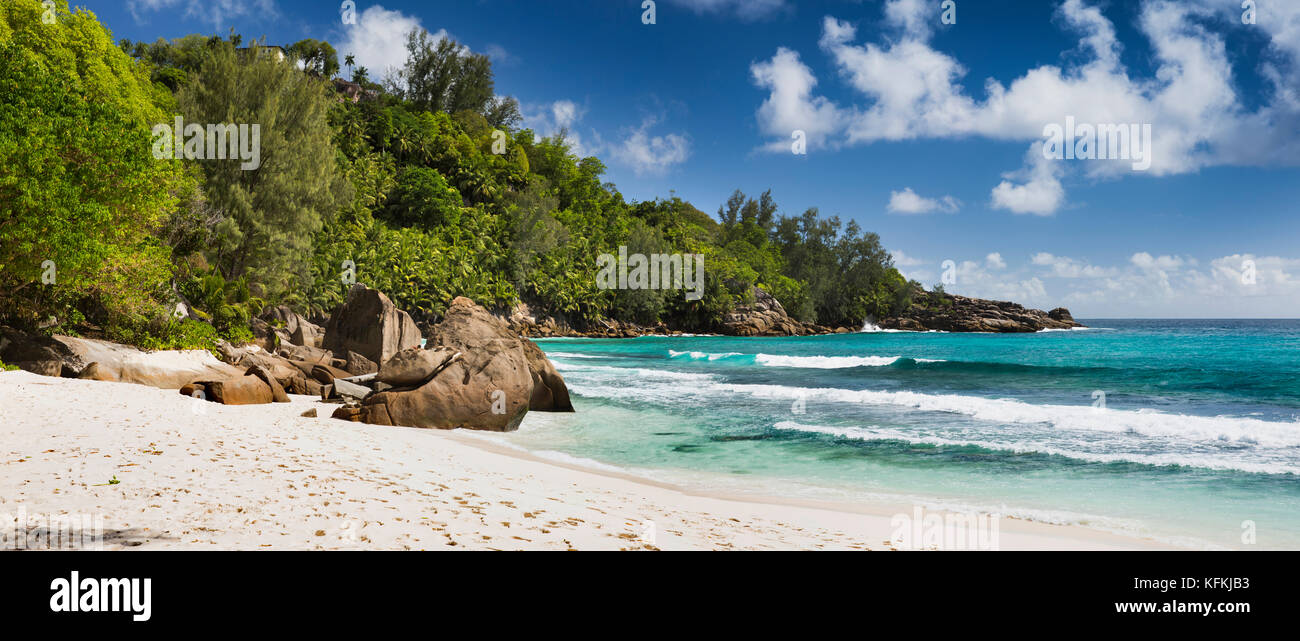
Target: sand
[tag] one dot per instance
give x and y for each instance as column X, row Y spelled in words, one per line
column 197, row 475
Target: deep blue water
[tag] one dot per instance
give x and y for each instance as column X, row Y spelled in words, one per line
column 1176, row 429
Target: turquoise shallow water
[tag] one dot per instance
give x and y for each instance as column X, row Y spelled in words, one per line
column 1176, row 429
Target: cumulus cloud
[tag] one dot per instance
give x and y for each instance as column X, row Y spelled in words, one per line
column 378, row 39
column 909, row 202
column 1143, row 284
column 791, row 107
column 910, row 90
column 650, row 154
column 563, row 116
column 1039, row 191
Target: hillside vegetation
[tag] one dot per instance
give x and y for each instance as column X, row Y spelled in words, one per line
column 426, row 188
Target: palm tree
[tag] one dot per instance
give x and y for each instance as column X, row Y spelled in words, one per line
column 348, row 60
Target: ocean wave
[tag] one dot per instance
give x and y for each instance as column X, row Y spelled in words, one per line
column 637, row 373
column 1183, row 459
column 570, row 355
column 1066, row 417
column 805, row 362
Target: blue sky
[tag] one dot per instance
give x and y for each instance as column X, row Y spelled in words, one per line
column 928, row 133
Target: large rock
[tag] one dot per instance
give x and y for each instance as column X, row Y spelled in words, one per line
column 299, row 330
column 358, row 364
column 414, row 366
column 35, row 353
column 466, row 325
column 169, row 369
column 278, row 394
column 238, row 390
column 763, row 317
column 550, row 394
column 488, row 388
column 370, row 325
column 954, row 313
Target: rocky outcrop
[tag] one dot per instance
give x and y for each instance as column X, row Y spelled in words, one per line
column 296, row 330
column 764, row 317
column 550, row 393
column 37, row 353
column 477, row 375
column 953, row 313
column 358, row 364
column 414, row 366
column 238, row 390
column 370, row 325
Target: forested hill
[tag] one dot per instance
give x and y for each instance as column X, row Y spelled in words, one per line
column 423, row 185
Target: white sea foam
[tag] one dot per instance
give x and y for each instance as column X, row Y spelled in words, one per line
column 1065, row 417
column 701, row 356
column 1185, row 459
column 806, row 362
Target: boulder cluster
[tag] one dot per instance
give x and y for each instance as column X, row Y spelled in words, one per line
column 953, row 313
column 370, row 359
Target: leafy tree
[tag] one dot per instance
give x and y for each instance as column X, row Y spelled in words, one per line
column 317, row 56
column 272, row 212
column 423, row 197
column 79, row 186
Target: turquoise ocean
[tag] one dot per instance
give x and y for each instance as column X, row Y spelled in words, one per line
column 1180, row 430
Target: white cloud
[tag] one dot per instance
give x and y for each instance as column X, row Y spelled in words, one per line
column 563, row 115
column 1143, row 285
column 744, row 9
column 791, row 106
column 909, row 202
column 912, row 91
column 218, row 13
column 378, row 40
column 903, row 260
column 1041, row 192
column 648, row 154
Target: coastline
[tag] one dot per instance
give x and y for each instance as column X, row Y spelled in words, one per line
column 197, row 475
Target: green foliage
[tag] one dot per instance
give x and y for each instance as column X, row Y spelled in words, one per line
column 423, row 197
column 415, row 193
column 79, row 186
column 271, row 213
column 318, row 57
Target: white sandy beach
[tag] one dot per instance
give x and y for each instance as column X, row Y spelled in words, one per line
column 198, row 475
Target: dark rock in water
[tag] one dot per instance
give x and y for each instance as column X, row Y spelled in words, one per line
column 370, row 325
column 1060, row 314
column 550, row 393
column 953, row 313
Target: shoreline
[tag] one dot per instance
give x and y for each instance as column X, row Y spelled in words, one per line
column 197, row 475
